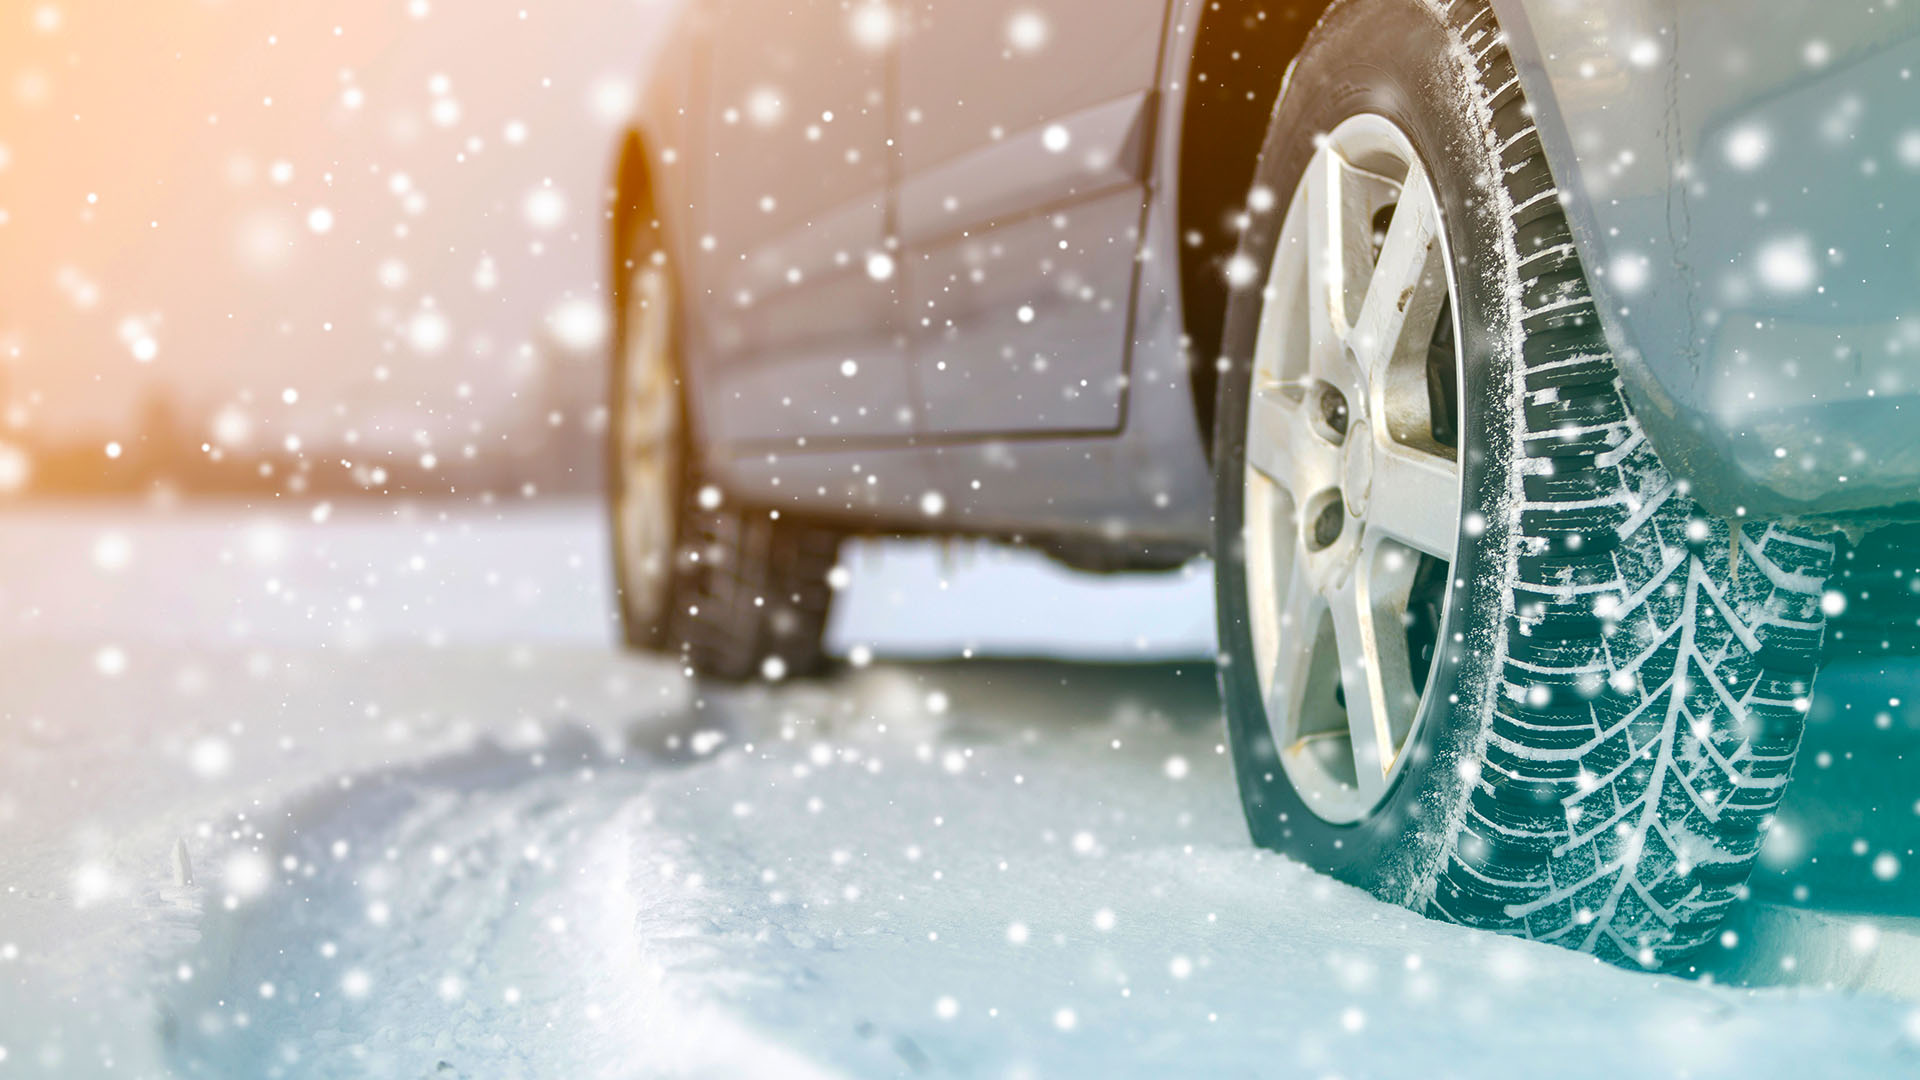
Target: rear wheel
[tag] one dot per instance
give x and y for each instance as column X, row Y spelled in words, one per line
column 1481, row 653
column 735, row 592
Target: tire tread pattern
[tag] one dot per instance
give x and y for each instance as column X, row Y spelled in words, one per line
column 749, row 589
column 1655, row 661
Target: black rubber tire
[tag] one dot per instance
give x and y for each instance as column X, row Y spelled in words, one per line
column 1597, row 774
column 751, row 596
column 748, row 595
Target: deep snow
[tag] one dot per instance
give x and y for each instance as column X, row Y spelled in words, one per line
column 447, row 832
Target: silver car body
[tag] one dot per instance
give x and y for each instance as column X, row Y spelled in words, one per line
column 1743, row 183
column 932, row 254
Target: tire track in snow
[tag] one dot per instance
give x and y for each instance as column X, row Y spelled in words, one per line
column 473, row 917
column 968, row 870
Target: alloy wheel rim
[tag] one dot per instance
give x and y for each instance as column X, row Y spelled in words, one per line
column 1352, row 490
column 648, row 442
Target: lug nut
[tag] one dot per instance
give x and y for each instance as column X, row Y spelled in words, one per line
column 1326, row 526
column 1333, row 410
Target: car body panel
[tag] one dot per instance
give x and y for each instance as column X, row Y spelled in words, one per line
column 1011, row 348
column 1020, row 266
column 1021, row 192
column 944, row 398
column 1103, row 150
column 1741, row 184
column 1146, row 484
column 795, row 198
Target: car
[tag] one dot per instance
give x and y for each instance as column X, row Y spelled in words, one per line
column 1521, row 364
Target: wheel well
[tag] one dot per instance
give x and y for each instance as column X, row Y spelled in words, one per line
column 1240, row 58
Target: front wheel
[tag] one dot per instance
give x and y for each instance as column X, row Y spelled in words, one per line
column 1481, row 654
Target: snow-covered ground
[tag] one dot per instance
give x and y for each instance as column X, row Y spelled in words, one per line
column 374, row 796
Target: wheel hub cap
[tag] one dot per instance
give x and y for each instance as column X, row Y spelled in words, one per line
column 1352, row 503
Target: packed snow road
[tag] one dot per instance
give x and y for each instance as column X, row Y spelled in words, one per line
column 440, row 833
column 1044, row 876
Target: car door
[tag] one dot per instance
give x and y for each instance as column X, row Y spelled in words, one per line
column 793, row 278
column 1024, row 131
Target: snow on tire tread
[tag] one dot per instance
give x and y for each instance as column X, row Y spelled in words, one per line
column 1656, row 664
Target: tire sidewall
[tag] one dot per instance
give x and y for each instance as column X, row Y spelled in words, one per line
column 1394, row 58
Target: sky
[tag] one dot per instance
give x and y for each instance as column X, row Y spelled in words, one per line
column 376, row 218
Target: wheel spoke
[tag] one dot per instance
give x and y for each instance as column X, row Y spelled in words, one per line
column 1272, row 421
column 1283, row 447
column 1406, row 289
column 1373, row 668
column 1292, row 675
column 1324, row 318
column 1415, row 498
column 1389, row 571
